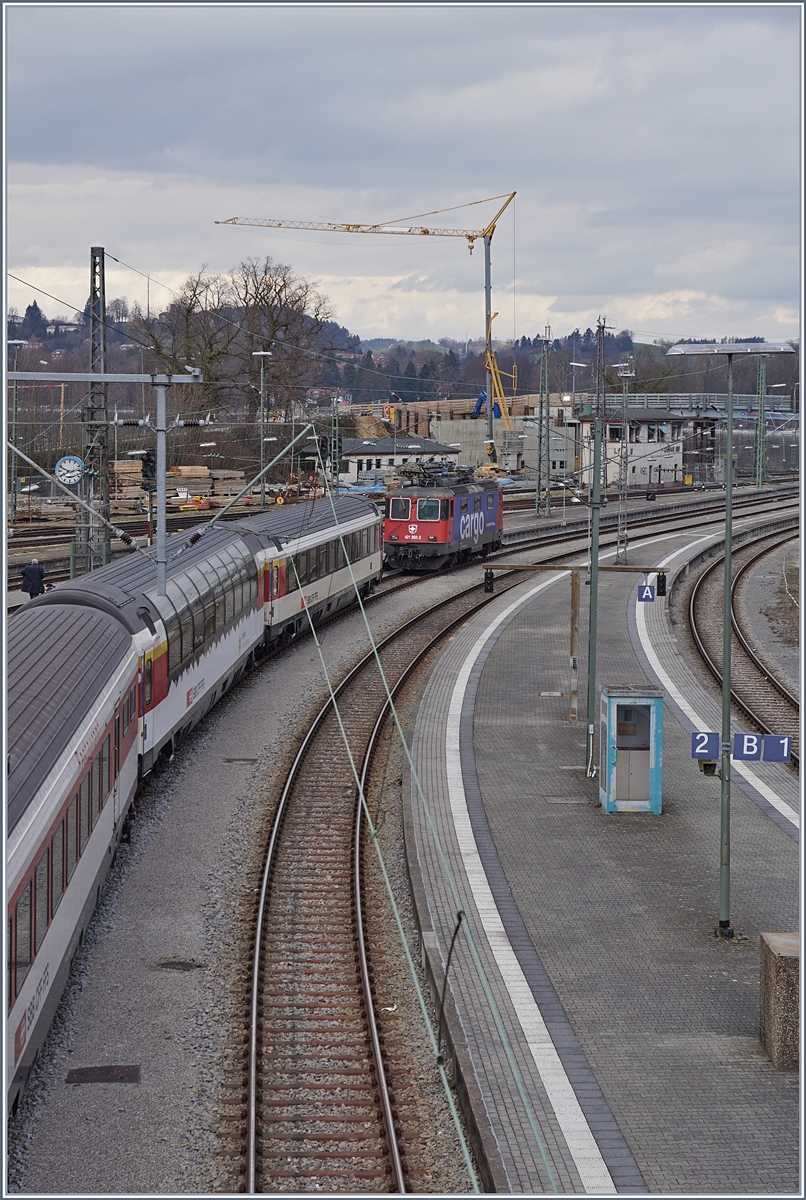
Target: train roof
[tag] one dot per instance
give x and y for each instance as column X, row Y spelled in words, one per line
column 124, row 584
column 297, row 520
column 51, row 688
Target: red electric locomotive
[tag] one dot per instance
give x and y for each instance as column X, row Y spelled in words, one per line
column 440, row 520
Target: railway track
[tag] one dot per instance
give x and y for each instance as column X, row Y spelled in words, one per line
column 323, row 1078
column 397, row 580
column 755, row 690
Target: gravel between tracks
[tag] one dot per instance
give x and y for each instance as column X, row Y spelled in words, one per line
column 182, row 891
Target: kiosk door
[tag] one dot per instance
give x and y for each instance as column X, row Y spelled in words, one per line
column 632, row 744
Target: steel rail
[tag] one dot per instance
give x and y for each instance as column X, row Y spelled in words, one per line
column 751, row 654
column 712, row 666
column 251, row 1151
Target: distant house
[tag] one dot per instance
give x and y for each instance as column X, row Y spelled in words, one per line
column 388, row 454
column 61, row 329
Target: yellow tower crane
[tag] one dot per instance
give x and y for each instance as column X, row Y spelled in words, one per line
column 395, row 228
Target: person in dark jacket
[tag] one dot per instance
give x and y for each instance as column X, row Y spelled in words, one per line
column 32, row 577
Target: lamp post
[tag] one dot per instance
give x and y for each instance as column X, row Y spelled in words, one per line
column 210, row 456
column 262, row 355
column 729, row 350
column 16, row 343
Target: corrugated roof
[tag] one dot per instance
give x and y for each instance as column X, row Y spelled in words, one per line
column 60, row 658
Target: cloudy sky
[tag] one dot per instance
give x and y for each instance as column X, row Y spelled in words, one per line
column 655, row 151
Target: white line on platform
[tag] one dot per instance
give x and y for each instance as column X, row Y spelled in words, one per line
column 699, row 722
column 575, row 1129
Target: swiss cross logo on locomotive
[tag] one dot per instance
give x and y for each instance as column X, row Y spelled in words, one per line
column 412, row 528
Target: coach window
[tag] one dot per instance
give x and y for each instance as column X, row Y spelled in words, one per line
column 57, row 861
column 97, row 784
column 107, row 780
column 72, row 821
column 210, row 598
column 322, row 564
column 9, row 961
column 225, row 570
column 177, row 649
column 147, row 684
column 166, row 607
column 42, row 898
column 490, row 500
column 428, row 510
column 399, row 508
column 83, row 814
column 204, row 612
column 23, row 922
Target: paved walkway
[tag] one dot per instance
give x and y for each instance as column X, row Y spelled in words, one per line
column 613, row 1040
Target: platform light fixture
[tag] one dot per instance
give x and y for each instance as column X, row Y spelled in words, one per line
column 728, row 350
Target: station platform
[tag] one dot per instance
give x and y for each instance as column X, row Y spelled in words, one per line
column 606, row 1041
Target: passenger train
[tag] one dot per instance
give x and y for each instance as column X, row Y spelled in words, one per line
column 105, row 678
column 442, row 520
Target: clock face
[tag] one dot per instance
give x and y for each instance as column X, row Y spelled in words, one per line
column 69, row 470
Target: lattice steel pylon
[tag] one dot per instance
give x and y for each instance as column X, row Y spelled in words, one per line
column 543, row 503
column 91, row 544
column 760, row 448
column 626, row 372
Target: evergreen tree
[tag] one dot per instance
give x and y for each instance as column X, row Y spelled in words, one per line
column 34, row 322
column 407, row 387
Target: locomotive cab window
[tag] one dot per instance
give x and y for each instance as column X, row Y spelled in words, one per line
column 399, row 508
column 428, row 510
column 445, row 509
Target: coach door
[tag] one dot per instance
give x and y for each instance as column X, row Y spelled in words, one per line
column 116, row 800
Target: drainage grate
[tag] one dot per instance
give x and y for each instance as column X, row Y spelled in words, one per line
column 239, row 760
column 178, row 964
column 104, row 1075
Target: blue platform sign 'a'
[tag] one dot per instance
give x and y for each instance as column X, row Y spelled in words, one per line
column 747, row 747
column 646, row 592
column 777, row 749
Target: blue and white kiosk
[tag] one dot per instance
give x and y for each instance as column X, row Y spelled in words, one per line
column 630, row 749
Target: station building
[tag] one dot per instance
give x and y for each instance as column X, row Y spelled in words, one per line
column 383, row 457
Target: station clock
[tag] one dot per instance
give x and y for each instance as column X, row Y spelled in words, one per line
column 69, row 470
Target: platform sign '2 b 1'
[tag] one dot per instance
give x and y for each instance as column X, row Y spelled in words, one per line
column 747, row 747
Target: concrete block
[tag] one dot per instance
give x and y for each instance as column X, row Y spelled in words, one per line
column 779, row 1001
